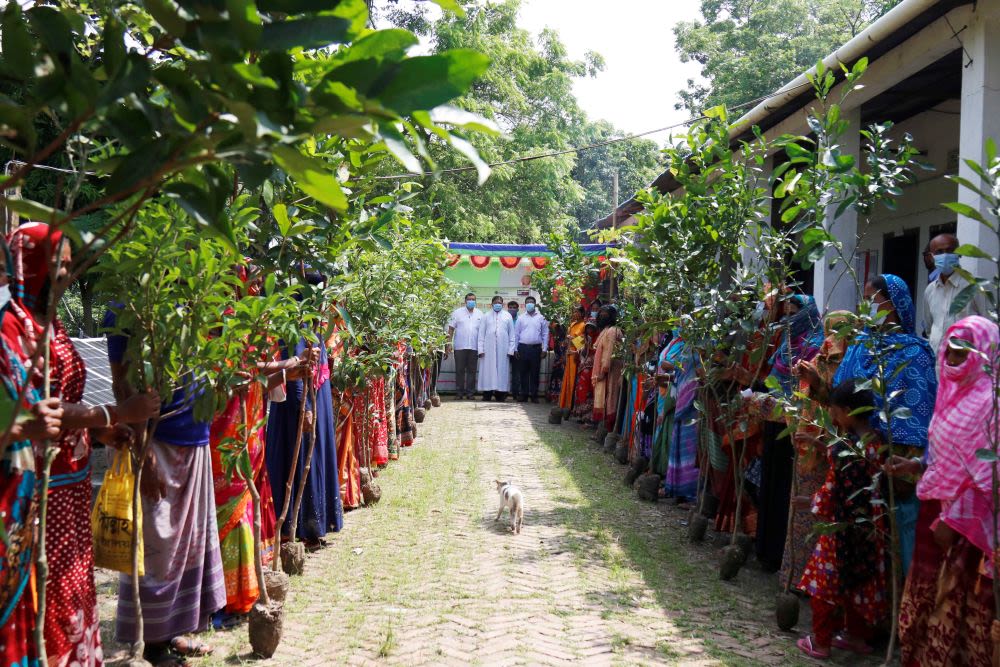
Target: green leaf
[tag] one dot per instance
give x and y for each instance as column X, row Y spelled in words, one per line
column 313, row 32
column 281, row 216
column 472, row 155
column 311, row 175
column 33, row 210
column 963, row 298
column 450, row 6
column 391, row 44
column 167, row 14
column 969, row 250
column 18, row 49
column 969, row 212
column 425, row 82
column 987, row 455
column 245, row 21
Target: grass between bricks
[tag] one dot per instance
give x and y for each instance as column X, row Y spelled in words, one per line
column 644, row 548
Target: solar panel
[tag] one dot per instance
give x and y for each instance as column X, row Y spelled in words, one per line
column 95, row 355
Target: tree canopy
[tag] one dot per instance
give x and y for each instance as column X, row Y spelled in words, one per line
column 528, row 93
column 749, row 48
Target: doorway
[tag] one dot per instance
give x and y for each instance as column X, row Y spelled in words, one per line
column 900, row 254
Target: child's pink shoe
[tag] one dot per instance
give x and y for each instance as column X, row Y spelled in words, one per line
column 806, row 646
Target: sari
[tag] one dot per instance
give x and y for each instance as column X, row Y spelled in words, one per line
column 801, row 339
column 234, row 508
column 607, row 377
column 558, row 371
column 18, row 511
column 681, row 480
column 665, row 398
column 370, row 423
column 577, row 331
column 911, row 383
column 348, row 472
column 72, row 626
column 947, row 606
column 404, row 393
column 583, row 394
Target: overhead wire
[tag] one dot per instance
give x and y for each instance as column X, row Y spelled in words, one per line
column 599, row 144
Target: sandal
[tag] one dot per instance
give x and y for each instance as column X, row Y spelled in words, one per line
column 806, row 646
column 161, row 655
column 189, row 646
column 858, row 647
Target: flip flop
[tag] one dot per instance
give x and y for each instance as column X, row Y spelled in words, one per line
column 190, row 647
column 844, row 644
column 806, row 646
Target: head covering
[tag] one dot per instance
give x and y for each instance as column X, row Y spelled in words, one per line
column 961, row 425
column 909, row 370
column 962, row 412
column 902, row 302
column 801, row 338
column 33, row 245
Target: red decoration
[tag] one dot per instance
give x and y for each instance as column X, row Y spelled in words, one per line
column 510, row 262
column 539, row 262
column 479, row 262
column 453, row 259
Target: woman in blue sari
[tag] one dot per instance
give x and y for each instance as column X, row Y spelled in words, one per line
column 681, row 481
column 907, row 363
column 321, row 505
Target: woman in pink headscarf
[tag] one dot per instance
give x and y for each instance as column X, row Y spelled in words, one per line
column 947, row 607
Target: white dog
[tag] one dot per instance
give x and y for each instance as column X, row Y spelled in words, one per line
column 511, row 498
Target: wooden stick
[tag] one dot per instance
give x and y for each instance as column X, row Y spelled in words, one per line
column 291, row 474
column 300, row 492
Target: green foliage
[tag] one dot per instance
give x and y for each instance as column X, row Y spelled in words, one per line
column 528, row 94
column 561, row 282
column 749, row 49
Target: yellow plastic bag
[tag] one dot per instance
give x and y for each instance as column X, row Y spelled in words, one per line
column 111, row 519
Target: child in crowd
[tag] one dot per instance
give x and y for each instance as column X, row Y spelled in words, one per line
column 846, row 574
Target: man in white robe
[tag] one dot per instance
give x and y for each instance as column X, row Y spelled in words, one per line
column 496, row 347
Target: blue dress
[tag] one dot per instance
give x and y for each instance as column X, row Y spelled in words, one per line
column 321, row 510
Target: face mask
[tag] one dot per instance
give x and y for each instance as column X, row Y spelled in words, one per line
column 530, row 307
column 4, row 295
column 593, row 314
column 946, row 263
column 497, row 307
column 873, row 309
column 758, row 312
column 470, row 304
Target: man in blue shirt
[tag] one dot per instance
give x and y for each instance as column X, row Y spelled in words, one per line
column 532, row 336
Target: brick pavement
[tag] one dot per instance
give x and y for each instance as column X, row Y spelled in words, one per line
column 434, row 580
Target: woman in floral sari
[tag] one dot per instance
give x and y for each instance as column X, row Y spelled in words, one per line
column 583, row 396
column 18, row 506
column 607, row 371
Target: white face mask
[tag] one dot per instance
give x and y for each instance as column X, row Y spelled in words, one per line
column 4, row 295
column 873, row 310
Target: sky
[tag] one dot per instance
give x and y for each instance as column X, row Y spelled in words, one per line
column 637, row 90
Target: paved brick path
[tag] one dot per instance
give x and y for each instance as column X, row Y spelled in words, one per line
column 595, row 577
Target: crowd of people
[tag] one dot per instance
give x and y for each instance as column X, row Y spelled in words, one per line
column 197, row 517
column 794, row 421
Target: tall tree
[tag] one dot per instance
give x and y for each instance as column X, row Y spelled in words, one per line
column 749, row 48
column 528, row 93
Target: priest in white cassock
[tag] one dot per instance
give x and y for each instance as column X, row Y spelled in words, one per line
column 496, row 347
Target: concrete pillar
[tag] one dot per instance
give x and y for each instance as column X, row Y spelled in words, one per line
column 834, row 286
column 980, row 120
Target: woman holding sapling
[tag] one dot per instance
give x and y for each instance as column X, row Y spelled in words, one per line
column 18, row 501
column 42, row 258
column 891, row 351
column 947, row 609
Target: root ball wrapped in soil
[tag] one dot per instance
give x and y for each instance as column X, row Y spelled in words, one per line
column 638, row 467
column 293, row 558
column 436, row 401
column 556, row 418
column 428, row 404
column 371, row 493
column 610, row 442
column 648, row 487
column 697, row 527
column 419, row 414
column 266, row 626
column 731, row 562
column 786, row 611
column 277, row 584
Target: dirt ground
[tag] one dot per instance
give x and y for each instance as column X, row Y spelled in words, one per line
column 596, row 577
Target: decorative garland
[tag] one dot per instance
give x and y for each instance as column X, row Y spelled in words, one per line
column 479, row 262
column 539, row 262
column 509, row 262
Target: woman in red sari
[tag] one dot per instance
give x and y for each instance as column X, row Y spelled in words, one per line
column 348, row 472
column 72, row 631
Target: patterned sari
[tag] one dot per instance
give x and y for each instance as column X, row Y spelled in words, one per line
column 234, row 507
column 571, row 366
column 18, row 511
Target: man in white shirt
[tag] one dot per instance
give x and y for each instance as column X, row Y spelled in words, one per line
column 463, row 338
column 941, row 292
column 496, row 349
column 532, row 332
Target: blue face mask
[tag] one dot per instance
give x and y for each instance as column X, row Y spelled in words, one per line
column 470, row 304
column 946, row 263
column 593, row 314
column 530, row 307
column 497, row 307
